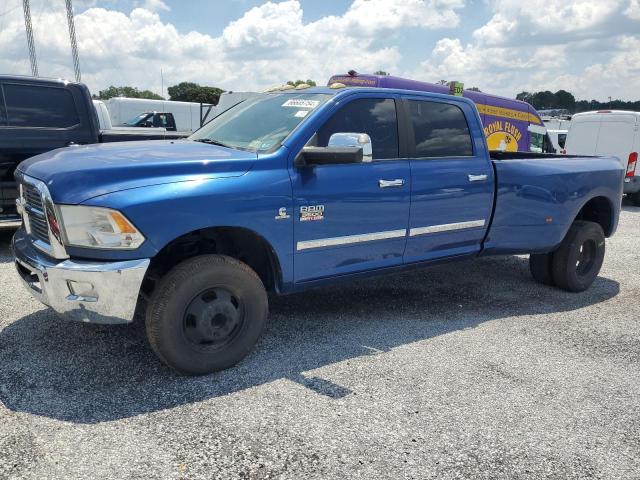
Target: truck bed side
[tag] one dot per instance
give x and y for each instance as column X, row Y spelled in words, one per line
column 539, row 196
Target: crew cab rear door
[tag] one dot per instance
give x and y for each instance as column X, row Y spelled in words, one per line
column 353, row 217
column 452, row 180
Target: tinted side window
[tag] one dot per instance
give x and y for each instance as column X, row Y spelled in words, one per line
column 562, row 137
column 440, row 130
column 160, row 120
column 3, row 117
column 373, row 116
column 31, row 106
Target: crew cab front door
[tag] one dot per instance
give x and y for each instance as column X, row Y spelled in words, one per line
column 353, row 217
column 452, row 184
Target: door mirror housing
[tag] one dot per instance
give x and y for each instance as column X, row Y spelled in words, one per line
column 310, row 156
column 341, row 148
column 361, row 140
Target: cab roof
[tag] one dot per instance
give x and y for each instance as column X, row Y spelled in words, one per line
column 29, row 79
column 349, row 90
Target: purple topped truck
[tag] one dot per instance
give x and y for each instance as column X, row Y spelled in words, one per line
column 509, row 125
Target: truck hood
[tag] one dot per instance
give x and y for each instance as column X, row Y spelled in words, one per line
column 76, row 174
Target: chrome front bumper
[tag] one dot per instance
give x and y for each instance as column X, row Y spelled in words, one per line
column 95, row 292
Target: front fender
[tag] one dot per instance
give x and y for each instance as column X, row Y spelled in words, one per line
column 165, row 212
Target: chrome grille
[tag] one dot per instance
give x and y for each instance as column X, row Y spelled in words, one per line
column 34, row 208
column 32, row 196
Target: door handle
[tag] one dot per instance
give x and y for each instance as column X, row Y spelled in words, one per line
column 477, row 178
column 398, row 182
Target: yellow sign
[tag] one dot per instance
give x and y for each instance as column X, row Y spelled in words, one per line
column 507, row 113
column 503, row 136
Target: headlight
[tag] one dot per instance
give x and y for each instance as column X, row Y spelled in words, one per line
column 96, row 227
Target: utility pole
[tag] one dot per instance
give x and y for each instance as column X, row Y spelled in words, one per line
column 74, row 45
column 30, row 42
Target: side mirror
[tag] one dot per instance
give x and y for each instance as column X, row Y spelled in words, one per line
column 360, row 140
column 329, row 156
column 341, row 148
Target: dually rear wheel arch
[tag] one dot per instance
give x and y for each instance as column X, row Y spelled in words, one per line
column 598, row 210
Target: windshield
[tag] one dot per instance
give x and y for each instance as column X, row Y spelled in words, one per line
column 138, row 118
column 260, row 123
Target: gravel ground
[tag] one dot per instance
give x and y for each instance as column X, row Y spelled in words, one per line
column 467, row 370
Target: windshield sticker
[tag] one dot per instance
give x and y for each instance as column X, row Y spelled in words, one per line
column 300, row 103
column 301, row 113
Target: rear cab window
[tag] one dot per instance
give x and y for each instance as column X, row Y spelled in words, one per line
column 40, row 106
column 439, row 130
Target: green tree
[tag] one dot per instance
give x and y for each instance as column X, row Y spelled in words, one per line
column 295, row 83
column 564, row 99
column 544, row 99
column 129, row 92
column 192, row 92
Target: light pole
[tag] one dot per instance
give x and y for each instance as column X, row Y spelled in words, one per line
column 30, row 42
column 74, row 45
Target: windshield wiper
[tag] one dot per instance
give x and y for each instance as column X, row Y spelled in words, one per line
column 210, row 141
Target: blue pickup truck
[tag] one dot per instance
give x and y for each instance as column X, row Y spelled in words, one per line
column 291, row 190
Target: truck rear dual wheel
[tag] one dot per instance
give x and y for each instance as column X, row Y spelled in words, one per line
column 206, row 314
column 635, row 199
column 577, row 261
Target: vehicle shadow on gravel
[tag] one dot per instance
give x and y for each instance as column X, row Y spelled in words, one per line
column 628, row 206
column 89, row 374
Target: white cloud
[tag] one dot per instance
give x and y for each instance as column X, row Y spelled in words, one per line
column 587, row 46
column 535, row 21
column 270, row 43
column 155, row 6
column 618, row 77
column 633, row 10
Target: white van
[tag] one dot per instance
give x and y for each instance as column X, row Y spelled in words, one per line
column 557, row 128
column 609, row 132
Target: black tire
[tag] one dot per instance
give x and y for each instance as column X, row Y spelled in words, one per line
column 540, row 266
column 578, row 260
column 206, row 314
column 635, row 199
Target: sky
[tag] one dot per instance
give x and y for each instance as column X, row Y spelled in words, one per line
column 588, row 47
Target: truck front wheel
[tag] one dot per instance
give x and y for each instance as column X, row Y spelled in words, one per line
column 206, row 314
column 576, row 263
